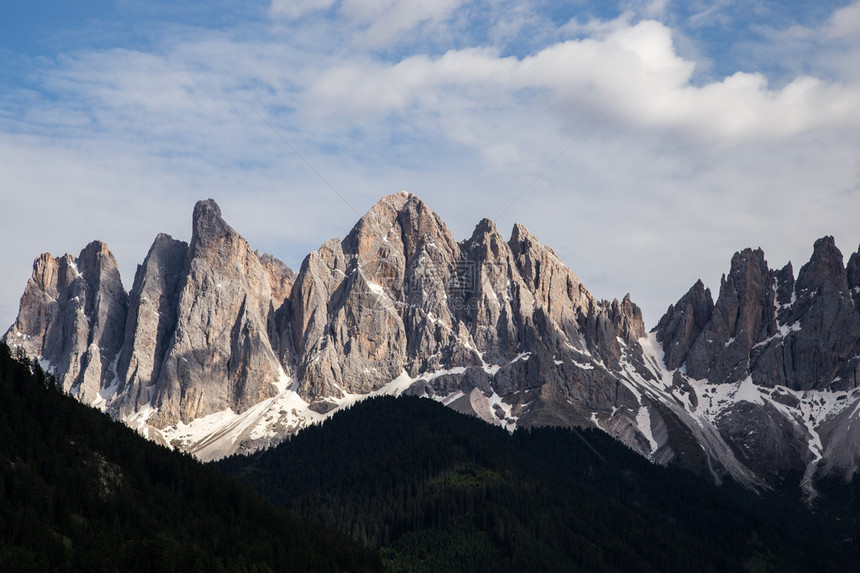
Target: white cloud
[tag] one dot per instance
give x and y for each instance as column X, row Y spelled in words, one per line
column 297, row 8
column 633, row 71
column 720, row 13
column 117, row 144
column 648, row 8
column 401, row 15
column 377, row 22
column 845, row 23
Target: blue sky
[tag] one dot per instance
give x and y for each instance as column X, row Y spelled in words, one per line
column 700, row 128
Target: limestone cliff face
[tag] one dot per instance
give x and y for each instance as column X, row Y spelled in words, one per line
column 205, row 329
column 557, row 292
column 72, row 316
column 281, row 280
column 683, row 323
column 491, row 295
column 399, row 294
column 852, row 271
column 152, row 316
column 742, row 317
column 220, row 356
column 800, row 334
column 792, row 346
column 362, row 306
column 825, row 326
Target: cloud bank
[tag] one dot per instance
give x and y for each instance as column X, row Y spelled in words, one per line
column 669, row 166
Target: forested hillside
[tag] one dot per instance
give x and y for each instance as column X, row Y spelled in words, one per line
column 79, row 492
column 437, row 491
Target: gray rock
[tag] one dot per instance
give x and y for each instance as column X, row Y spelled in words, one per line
column 350, row 336
column 281, row 279
column 742, row 317
column 683, row 323
column 840, row 435
column 801, row 334
column 220, row 356
column 784, row 334
column 280, row 328
column 765, row 440
column 784, row 287
column 821, row 328
column 852, row 272
column 555, row 288
column 152, row 317
column 72, row 315
column 498, row 306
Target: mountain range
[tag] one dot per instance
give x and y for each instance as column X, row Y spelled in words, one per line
column 218, row 349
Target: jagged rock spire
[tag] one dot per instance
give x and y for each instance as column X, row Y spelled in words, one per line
column 220, row 356
column 72, row 316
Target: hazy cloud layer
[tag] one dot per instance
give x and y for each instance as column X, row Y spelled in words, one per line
column 674, row 164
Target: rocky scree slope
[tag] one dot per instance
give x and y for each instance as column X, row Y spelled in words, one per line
column 218, row 349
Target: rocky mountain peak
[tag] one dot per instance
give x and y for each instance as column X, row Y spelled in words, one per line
column 521, row 240
column 784, row 285
column 768, row 326
column 399, row 233
column 281, row 278
column 207, row 225
column 376, row 226
column 419, row 223
column 787, row 352
column 742, row 316
column 484, row 227
column 824, row 327
column 555, row 287
column 824, row 271
column 365, row 309
column 150, row 323
column 486, row 243
column 71, row 316
column 852, row 272
column 683, row 323
column 744, row 307
column 52, row 275
column 562, row 300
column 220, row 356
column 627, row 316
column 96, row 255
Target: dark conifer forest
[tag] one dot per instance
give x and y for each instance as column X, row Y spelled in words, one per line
column 399, row 484
column 79, row 492
column 433, row 490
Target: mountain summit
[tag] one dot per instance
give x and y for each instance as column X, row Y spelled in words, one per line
column 219, row 349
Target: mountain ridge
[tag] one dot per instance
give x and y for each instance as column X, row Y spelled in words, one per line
column 219, row 349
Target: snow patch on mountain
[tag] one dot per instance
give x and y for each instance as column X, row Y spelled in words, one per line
column 643, row 422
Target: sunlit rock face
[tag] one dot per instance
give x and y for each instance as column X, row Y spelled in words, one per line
column 220, row 355
column 151, row 321
column 72, row 316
